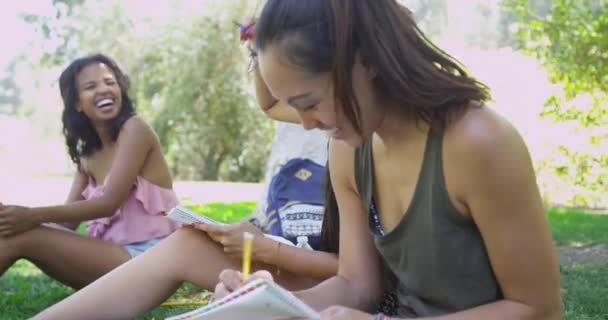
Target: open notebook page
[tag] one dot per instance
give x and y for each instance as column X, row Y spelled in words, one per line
column 186, row 216
column 259, row 300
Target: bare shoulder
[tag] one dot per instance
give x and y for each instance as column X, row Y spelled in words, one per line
column 486, row 163
column 137, row 128
column 137, row 123
column 490, row 168
column 482, row 136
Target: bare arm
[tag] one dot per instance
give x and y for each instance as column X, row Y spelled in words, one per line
column 309, row 263
column 358, row 282
column 273, row 108
column 79, row 183
column 503, row 199
column 313, row 264
column 134, row 143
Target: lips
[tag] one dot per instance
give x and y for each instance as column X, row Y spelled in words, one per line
column 105, row 102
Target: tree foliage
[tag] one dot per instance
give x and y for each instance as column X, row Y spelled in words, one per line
column 10, row 93
column 61, row 33
column 206, row 114
column 188, row 78
column 431, row 15
column 570, row 38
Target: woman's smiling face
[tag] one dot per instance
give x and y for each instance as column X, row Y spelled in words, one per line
column 312, row 96
column 99, row 94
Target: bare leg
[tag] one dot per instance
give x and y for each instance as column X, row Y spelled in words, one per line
column 143, row 283
column 69, row 257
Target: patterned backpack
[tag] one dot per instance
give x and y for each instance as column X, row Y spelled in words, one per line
column 295, row 201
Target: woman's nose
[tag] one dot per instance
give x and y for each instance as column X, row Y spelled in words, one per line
column 308, row 120
column 103, row 88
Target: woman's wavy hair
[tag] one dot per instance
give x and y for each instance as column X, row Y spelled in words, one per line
column 80, row 136
column 414, row 74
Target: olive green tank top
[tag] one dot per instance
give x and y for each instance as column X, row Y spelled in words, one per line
column 435, row 254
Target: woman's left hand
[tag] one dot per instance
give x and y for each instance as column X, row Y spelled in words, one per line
column 343, row 313
column 15, row 220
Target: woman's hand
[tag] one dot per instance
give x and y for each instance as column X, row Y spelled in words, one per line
column 231, row 238
column 231, row 280
column 15, row 220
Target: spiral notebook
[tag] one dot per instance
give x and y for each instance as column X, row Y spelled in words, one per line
column 259, row 300
column 186, row 216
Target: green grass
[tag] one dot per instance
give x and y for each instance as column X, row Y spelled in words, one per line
column 586, row 292
column 571, row 227
column 225, row 212
column 24, row 290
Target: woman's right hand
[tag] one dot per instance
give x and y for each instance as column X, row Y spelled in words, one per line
column 230, row 236
column 231, row 280
column 15, row 220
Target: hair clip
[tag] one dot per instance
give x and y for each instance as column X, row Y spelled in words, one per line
column 247, row 33
column 246, row 30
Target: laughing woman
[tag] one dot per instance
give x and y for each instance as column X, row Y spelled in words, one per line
column 122, row 185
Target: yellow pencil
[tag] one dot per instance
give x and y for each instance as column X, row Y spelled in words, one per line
column 247, row 247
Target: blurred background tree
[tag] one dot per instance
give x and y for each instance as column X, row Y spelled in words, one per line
column 431, row 15
column 188, row 78
column 187, row 68
column 570, row 38
column 10, row 93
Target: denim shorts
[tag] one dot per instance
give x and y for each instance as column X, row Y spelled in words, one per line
column 138, row 248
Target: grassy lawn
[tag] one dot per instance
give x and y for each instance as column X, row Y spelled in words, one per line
column 586, row 292
column 25, row 290
column 570, row 227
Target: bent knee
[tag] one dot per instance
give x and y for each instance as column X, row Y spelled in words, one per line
column 191, row 238
column 22, row 244
column 9, row 247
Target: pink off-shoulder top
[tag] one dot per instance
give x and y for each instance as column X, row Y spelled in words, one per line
column 140, row 218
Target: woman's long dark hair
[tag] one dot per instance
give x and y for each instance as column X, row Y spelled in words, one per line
column 325, row 36
column 330, row 230
column 80, row 135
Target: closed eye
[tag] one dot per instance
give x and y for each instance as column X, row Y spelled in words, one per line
column 304, row 107
column 310, row 107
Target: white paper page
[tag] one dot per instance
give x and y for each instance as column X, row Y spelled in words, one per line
column 185, row 216
column 259, row 300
